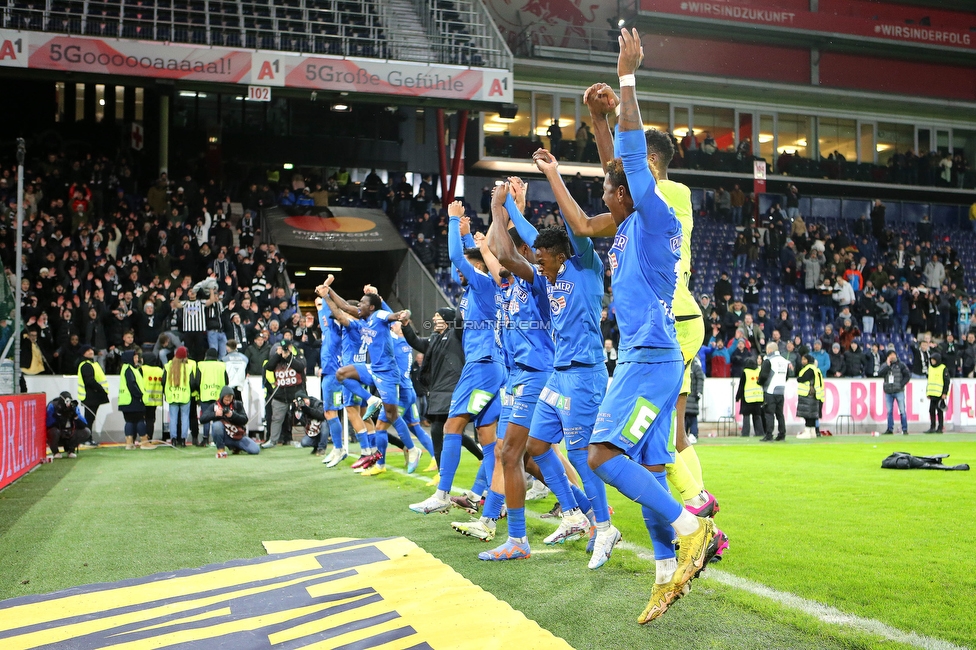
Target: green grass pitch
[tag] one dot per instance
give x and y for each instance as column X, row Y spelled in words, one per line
column 818, row 520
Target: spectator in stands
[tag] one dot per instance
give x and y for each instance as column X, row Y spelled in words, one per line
column 874, row 359
column 755, row 339
column 425, row 253
column 854, row 361
column 720, row 358
column 920, row 359
column 737, row 199
column 694, row 399
column 828, row 337
column 792, row 202
column 792, row 356
column 555, row 135
column 878, row 219
column 609, row 356
column 751, row 285
column 734, row 317
column 723, row 204
column 820, row 356
column 739, row 357
column 722, row 291
column 784, row 325
column 740, row 250
column 843, row 292
column 968, row 360
column 934, row 273
column 812, row 262
column 846, row 334
column 950, row 351
column 963, row 313
column 836, row 364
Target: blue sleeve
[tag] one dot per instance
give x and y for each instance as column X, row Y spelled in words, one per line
column 455, row 248
column 468, row 241
column 81, row 417
column 583, row 249
column 50, row 416
column 632, row 148
column 540, row 286
column 525, row 230
column 384, row 306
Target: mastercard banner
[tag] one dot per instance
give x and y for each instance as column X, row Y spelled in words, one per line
column 160, row 60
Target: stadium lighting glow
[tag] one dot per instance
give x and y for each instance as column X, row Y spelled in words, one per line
column 101, row 102
column 495, row 128
column 288, row 166
column 341, row 108
column 212, row 139
column 765, row 137
column 330, row 269
column 801, row 143
column 883, row 147
column 503, row 120
column 187, row 93
column 621, row 22
column 299, row 274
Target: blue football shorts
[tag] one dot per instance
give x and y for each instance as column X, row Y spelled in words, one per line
column 476, row 393
column 568, row 406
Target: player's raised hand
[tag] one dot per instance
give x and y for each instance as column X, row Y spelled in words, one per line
column 600, row 99
column 631, row 52
column 455, row 209
column 465, row 225
column 479, row 239
column 518, row 189
column 329, row 280
column 498, row 195
column 545, row 161
column 368, row 289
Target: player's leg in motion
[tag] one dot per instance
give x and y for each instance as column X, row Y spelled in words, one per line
column 332, row 399
column 628, row 450
column 354, row 395
column 475, row 397
column 387, row 385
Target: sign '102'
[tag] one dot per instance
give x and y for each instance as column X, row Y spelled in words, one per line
column 259, row 93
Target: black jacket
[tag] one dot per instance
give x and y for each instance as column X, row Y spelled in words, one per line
column 234, row 418
column 441, row 369
column 289, row 376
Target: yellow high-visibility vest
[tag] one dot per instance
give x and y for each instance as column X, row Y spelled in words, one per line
column 803, row 388
column 936, row 384
column 153, row 380
column 99, row 377
column 753, row 392
column 212, row 374
column 125, row 397
column 179, row 394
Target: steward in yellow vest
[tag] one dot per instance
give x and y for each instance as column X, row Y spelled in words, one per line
column 92, row 387
column 152, row 376
column 211, row 378
column 750, row 398
column 810, row 395
column 180, row 373
column 132, row 390
column 937, row 390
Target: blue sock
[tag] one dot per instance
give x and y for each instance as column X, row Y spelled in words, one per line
column 356, row 389
column 424, row 439
column 596, row 489
column 555, row 475
column 382, row 441
column 488, row 465
column 363, row 439
column 450, row 459
column 371, row 440
column 335, row 429
column 637, row 484
column 516, row 522
column 661, row 532
column 493, row 505
column 480, row 483
column 582, row 500
column 404, row 432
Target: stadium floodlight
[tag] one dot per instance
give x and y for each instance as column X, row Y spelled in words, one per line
column 329, row 269
column 341, row 108
column 299, row 274
column 288, row 166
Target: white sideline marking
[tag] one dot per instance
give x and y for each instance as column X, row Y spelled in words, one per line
column 821, row 612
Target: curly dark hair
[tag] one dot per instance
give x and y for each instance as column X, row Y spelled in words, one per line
column 554, row 239
column 615, row 170
column 474, row 254
column 374, row 300
column 662, row 144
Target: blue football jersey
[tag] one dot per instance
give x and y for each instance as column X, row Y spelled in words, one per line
column 644, row 262
column 575, row 305
column 527, row 326
column 478, row 305
column 404, row 358
column 331, row 356
column 377, row 339
column 352, row 346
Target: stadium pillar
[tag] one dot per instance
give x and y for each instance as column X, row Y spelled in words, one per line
column 462, row 132
column 442, row 155
column 163, row 134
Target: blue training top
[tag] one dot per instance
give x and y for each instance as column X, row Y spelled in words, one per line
column 527, row 326
column 478, row 305
column 575, row 299
column 331, row 356
column 644, row 262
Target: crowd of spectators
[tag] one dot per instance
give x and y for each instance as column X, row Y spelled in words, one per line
column 115, row 268
column 874, row 281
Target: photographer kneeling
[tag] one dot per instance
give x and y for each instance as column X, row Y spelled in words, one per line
column 309, row 413
column 229, row 428
column 66, row 426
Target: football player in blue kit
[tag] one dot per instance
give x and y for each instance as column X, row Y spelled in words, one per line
column 329, row 362
column 373, row 325
column 633, row 438
column 476, row 395
column 570, row 276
